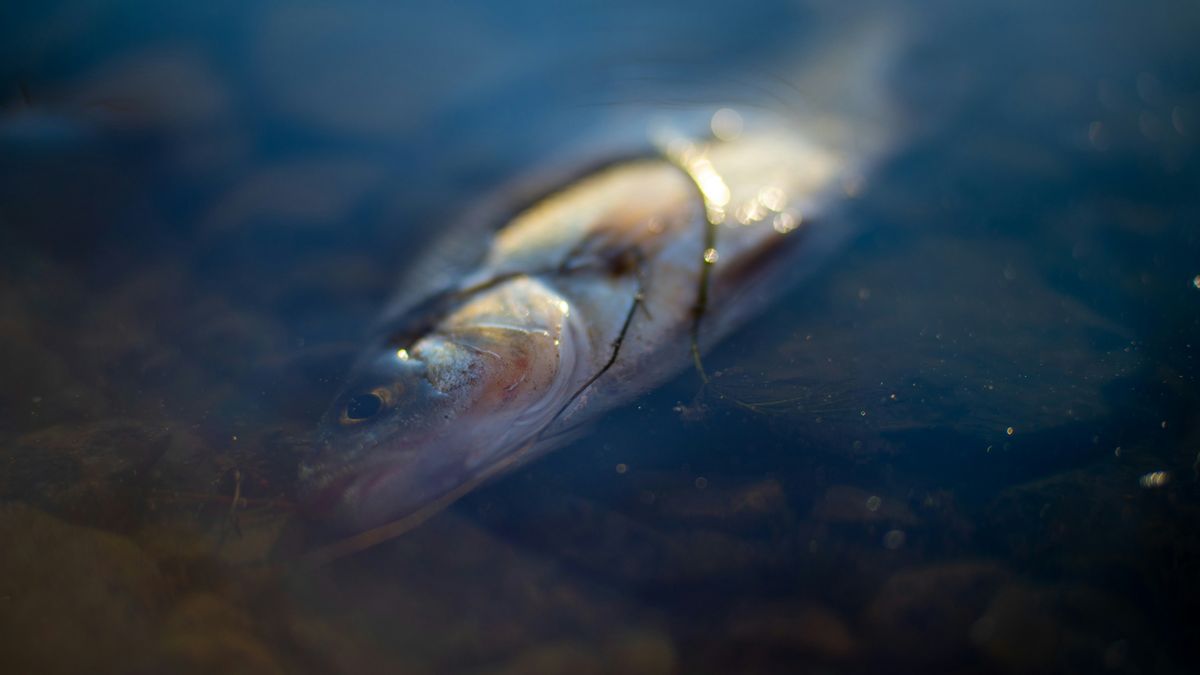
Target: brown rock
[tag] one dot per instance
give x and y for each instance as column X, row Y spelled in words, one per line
column 94, row 474
column 206, row 634
column 1018, row 631
column 924, row 615
column 74, row 600
column 811, row 630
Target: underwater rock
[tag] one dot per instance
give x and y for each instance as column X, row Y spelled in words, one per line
column 924, row 615
column 645, row 553
column 811, row 630
column 1043, row 629
column 44, row 387
column 454, row 597
column 560, row 657
column 205, row 634
column 75, row 600
column 694, row 539
column 649, row 652
column 95, row 474
column 1017, row 631
column 634, row 654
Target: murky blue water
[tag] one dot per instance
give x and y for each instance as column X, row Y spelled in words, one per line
column 976, row 448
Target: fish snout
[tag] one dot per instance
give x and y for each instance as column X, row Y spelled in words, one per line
column 357, row 496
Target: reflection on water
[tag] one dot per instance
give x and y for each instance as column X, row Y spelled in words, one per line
column 973, row 444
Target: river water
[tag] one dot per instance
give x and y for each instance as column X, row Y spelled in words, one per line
column 973, row 445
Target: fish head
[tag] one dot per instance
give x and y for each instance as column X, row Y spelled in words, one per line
column 415, row 424
column 374, row 427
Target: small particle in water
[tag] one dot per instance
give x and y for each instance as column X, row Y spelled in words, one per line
column 235, row 437
column 402, row 354
column 864, row 294
column 893, row 540
column 1096, row 135
column 774, row 198
column 701, row 483
column 1117, row 451
column 862, row 413
column 621, row 468
column 873, row 503
column 37, row 399
column 1154, row 479
column 749, row 213
column 785, row 222
column 1164, row 424
column 711, row 256
column 726, row 124
column 1196, row 281
column 1010, row 431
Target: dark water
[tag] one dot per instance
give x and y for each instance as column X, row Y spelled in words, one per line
column 989, row 453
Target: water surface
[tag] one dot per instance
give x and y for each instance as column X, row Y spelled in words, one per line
column 973, row 447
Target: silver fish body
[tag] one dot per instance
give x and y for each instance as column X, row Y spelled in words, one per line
column 582, row 301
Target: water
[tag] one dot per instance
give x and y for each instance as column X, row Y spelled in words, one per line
column 987, row 458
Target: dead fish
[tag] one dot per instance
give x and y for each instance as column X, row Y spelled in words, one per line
column 595, row 293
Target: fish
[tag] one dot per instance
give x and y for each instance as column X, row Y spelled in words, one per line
column 597, row 291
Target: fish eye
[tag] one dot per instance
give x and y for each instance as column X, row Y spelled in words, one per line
column 363, row 406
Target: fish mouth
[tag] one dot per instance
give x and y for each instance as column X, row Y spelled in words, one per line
column 359, row 496
column 318, row 502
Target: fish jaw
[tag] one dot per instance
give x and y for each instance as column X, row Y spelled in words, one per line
column 494, row 375
column 392, row 485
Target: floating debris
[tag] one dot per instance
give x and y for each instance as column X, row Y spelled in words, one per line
column 894, row 539
column 1154, row 479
